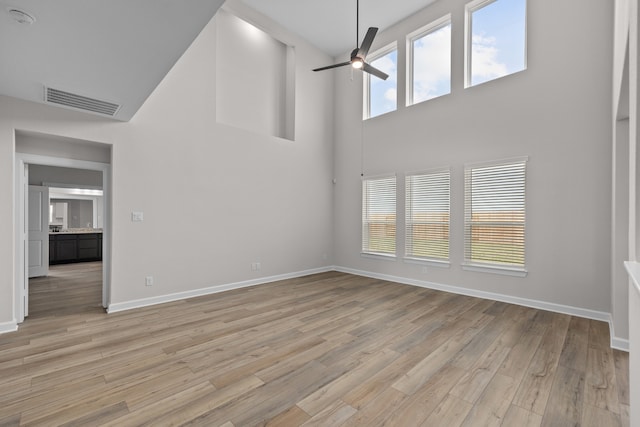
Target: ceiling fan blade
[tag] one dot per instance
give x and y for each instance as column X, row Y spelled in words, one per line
column 342, row 64
column 373, row 70
column 367, row 42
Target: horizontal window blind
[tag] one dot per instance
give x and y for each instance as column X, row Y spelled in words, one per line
column 379, row 216
column 427, row 215
column 494, row 209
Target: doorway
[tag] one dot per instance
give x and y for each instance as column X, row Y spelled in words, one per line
column 23, row 162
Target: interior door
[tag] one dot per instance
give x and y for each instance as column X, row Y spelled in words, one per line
column 38, row 231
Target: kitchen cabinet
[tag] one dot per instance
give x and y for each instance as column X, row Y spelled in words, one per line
column 71, row 247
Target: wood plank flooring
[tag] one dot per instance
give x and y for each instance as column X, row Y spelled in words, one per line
column 324, row 350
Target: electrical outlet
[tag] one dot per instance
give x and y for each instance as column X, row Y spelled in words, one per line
column 255, row 266
column 148, row 281
column 425, row 270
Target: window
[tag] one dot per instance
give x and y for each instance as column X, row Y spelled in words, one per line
column 495, row 39
column 429, row 61
column 494, row 215
column 379, row 216
column 427, row 215
column 381, row 95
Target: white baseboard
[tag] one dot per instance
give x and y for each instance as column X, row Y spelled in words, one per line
column 617, row 343
column 8, row 327
column 145, row 302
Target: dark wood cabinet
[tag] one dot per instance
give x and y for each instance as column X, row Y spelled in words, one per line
column 68, row 247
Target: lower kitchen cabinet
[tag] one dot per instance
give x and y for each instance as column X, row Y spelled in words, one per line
column 70, row 247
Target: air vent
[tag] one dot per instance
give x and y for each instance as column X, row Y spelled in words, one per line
column 80, row 102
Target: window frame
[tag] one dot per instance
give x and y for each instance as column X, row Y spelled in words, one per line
column 367, row 252
column 424, row 31
column 366, row 79
column 469, row 9
column 411, row 258
column 489, row 267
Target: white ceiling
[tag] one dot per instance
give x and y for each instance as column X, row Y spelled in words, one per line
column 112, row 50
column 119, row 50
column 331, row 24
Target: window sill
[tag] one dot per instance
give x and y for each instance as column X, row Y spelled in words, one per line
column 506, row 271
column 373, row 255
column 429, row 262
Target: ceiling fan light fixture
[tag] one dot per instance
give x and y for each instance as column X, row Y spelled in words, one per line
column 357, row 63
column 20, row 16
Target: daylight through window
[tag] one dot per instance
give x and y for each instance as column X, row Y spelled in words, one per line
column 429, row 61
column 495, row 39
column 381, row 95
column 379, row 216
column 494, row 214
column 427, row 215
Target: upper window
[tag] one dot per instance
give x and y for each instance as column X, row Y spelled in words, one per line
column 495, row 39
column 494, row 215
column 379, row 216
column 429, row 61
column 427, row 215
column 381, row 95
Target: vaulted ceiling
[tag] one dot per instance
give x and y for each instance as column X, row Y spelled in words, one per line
column 117, row 51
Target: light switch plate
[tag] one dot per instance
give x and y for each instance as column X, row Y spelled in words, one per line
column 137, row 216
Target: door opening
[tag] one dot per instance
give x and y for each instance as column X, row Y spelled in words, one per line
column 86, row 242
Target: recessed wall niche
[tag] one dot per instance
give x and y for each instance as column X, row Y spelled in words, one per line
column 254, row 78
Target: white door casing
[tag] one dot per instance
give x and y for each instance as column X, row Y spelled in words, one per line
column 38, row 231
column 21, row 224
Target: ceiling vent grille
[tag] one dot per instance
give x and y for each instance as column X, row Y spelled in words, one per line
column 68, row 99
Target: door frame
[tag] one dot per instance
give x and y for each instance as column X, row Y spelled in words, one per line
column 20, row 199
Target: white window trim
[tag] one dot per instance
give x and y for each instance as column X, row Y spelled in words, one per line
column 412, row 37
column 468, row 11
column 495, row 268
column 500, row 162
column 429, row 261
column 379, row 255
column 506, row 271
column 366, row 78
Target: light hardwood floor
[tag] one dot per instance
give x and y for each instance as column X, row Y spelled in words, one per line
column 329, row 349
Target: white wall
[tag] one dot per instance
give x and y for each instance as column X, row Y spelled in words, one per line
column 71, row 148
column 251, row 76
column 557, row 112
column 39, row 174
column 236, row 196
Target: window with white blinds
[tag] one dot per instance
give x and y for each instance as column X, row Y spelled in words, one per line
column 427, row 215
column 379, row 216
column 494, row 214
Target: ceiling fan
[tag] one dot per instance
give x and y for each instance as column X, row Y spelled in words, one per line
column 359, row 54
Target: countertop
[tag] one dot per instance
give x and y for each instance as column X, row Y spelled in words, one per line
column 77, row 231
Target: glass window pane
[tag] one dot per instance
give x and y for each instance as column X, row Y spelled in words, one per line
column 427, row 216
column 432, row 64
column 498, row 40
column 379, row 216
column 383, row 93
column 495, row 214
